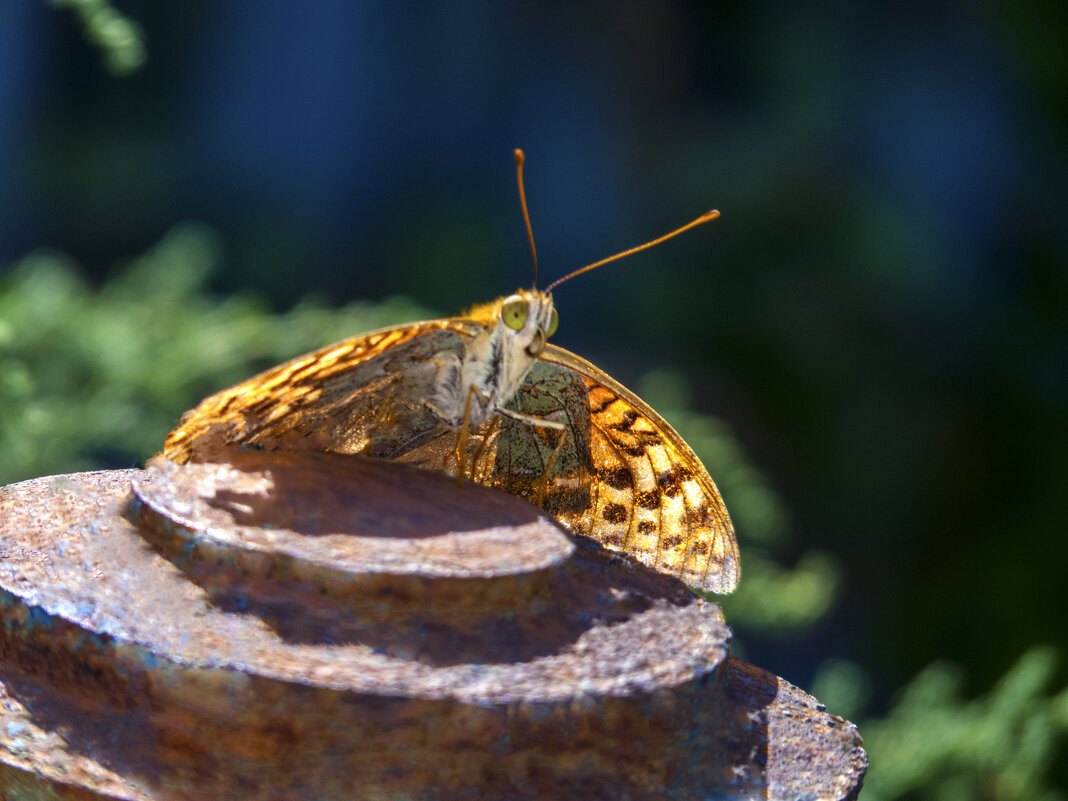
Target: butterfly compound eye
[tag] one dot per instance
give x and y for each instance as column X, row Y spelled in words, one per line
column 514, row 312
column 554, row 321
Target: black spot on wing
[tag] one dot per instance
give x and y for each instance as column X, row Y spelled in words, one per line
column 670, row 481
column 612, row 537
column 699, row 517
column 648, row 499
column 619, row 478
column 671, row 542
column 614, row 513
column 604, row 404
column 626, row 421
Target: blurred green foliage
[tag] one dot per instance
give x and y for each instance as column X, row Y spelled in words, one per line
column 119, row 38
column 94, row 377
column 773, row 600
column 934, row 744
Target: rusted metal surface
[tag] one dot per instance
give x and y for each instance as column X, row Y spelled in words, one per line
column 318, row 626
column 803, row 752
column 351, row 515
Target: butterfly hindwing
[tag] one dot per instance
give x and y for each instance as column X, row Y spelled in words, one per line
column 649, row 494
column 523, row 452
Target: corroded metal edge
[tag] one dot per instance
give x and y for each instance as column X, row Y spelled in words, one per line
column 807, row 752
column 734, row 730
column 781, row 746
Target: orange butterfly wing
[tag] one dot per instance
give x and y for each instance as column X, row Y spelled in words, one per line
column 649, row 494
column 361, row 395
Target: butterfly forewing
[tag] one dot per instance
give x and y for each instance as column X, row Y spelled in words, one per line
column 362, row 395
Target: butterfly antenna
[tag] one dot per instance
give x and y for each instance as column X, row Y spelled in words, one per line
column 706, row 217
column 519, row 159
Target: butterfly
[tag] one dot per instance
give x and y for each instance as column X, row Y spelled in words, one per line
column 485, row 396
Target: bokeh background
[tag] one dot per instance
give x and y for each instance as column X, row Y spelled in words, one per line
column 869, row 348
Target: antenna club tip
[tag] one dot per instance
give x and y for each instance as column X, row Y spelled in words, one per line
column 520, row 156
column 711, row 214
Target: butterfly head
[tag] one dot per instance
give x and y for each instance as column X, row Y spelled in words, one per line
column 526, row 319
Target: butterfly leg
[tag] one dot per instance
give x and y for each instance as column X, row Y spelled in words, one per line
column 465, row 429
column 487, row 439
column 543, row 482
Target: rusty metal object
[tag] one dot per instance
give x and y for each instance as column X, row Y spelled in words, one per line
column 323, row 626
